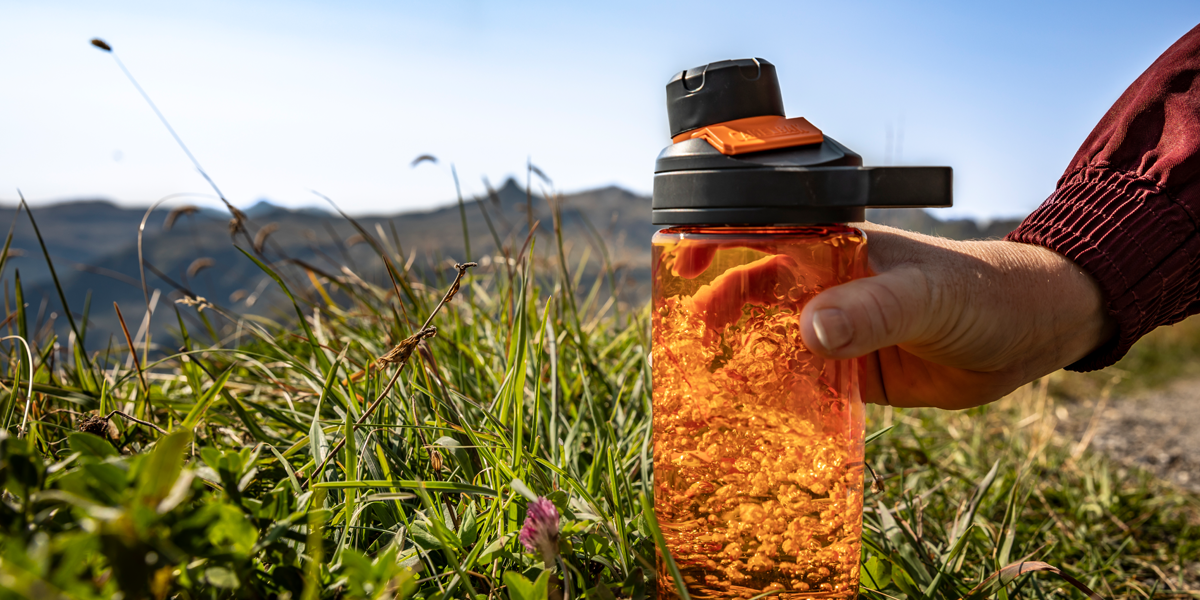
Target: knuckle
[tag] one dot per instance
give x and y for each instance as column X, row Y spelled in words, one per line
column 886, row 311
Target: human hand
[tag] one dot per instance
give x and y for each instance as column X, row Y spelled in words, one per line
column 956, row 324
column 940, row 323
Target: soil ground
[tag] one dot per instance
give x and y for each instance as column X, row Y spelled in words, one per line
column 1157, row 430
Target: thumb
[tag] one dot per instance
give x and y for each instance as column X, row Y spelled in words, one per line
column 864, row 315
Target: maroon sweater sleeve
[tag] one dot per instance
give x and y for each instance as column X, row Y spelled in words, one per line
column 1126, row 210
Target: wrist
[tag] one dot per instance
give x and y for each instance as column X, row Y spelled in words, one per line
column 1070, row 317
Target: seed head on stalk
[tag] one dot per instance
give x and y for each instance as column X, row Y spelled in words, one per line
column 400, row 355
column 101, row 44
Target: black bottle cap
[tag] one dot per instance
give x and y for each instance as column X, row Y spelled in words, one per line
column 817, row 183
column 722, row 91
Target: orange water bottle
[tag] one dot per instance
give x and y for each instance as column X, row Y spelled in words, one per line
column 758, row 443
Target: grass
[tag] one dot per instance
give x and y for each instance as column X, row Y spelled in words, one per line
column 238, row 483
column 981, row 489
column 257, row 467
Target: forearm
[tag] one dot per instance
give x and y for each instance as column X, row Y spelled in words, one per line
column 1062, row 303
column 1127, row 207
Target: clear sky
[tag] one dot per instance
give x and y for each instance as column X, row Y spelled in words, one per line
column 279, row 98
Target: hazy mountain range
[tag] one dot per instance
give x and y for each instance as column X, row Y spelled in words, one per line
column 93, row 244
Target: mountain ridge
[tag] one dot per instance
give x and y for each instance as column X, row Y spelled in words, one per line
column 94, row 246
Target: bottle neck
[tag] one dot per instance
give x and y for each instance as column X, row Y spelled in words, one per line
column 742, row 230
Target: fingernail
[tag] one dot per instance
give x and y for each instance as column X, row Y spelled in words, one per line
column 832, row 328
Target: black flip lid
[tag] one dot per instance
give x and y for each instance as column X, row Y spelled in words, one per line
column 695, row 184
column 722, row 91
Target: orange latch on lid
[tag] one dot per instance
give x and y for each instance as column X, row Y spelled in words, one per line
column 755, row 134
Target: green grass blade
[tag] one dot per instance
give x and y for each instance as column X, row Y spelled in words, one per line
column 878, row 434
column 22, row 319
column 8, row 240
column 54, row 276
column 664, row 554
column 206, row 399
column 322, row 360
column 433, row 486
column 316, row 435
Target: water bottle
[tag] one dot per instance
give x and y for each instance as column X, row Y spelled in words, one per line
column 758, row 443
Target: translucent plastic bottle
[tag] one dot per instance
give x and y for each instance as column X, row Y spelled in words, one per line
column 758, row 443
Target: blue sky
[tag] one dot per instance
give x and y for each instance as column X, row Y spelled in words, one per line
column 279, row 98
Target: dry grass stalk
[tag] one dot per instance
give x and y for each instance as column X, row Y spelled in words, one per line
column 260, row 238
column 403, row 351
column 133, row 352
column 1094, row 422
column 238, row 223
column 199, row 265
column 135, row 420
column 175, row 213
column 424, row 157
column 1017, row 569
column 199, row 302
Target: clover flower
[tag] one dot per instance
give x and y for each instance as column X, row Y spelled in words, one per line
column 540, row 531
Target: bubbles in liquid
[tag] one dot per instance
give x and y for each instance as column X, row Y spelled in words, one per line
column 757, row 450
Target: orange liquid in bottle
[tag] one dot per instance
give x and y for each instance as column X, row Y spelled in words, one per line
column 758, row 444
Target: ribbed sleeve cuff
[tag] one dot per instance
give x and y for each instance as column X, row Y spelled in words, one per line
column 1138, row 244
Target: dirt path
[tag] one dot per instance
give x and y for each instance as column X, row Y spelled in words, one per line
column 1157, row 430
